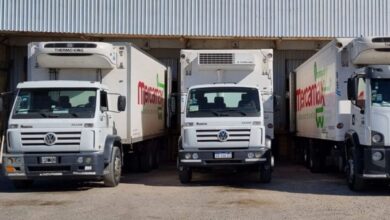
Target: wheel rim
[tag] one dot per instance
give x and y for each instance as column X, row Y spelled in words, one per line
column 350, row 172
column 117, row 168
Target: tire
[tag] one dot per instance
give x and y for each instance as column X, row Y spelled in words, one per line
column 265, row 175
column 112, row 178
column 185, row 175
column 22, row 184
column 316, row 164
column 146, row 159
column 354, row 182
column 306, row 157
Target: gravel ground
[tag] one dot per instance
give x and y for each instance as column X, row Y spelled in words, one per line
column 294, row 193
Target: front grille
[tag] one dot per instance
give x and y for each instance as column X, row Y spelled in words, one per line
column 48, row 168
column 216, row 58
column 63, row 138
column 235, row 135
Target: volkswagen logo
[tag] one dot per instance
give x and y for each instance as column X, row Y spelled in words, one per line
column 50, row 139
column 223, row 135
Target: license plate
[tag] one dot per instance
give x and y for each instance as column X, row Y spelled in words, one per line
column 48, row 160
column 223, row 155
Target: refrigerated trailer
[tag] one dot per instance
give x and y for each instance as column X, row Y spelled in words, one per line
column 85, row 107
column 226, row 111
column 340, row 102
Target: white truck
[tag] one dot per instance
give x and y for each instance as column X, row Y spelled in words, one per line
column 340, row 102
column 85, row 107
column 226, row 111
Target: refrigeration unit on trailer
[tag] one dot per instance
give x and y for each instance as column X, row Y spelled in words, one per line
column 85, row 107
column 226, row 111
column 342, row 108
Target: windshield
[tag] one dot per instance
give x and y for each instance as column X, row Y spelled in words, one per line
column 223, row 102
column 55, row 103
column 380, row 91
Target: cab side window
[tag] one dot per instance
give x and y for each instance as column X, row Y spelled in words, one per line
column 103, row 101
column 361, row 93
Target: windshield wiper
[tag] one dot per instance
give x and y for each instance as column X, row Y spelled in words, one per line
column 74, row 114
column 233, row 110
column 208, row 110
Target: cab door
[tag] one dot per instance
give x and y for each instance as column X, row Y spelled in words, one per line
column 359, row 120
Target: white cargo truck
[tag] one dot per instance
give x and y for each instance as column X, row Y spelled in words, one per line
column 85, row 107
column 340, row 102
column 226, row 111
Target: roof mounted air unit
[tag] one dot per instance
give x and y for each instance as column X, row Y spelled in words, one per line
column 371, row 50
column 226, row 61
column 93, row 55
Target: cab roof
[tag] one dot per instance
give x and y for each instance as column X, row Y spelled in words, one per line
column 60, row 84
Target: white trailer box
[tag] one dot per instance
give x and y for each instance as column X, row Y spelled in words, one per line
column 73, row 95
column 226, row 110
column 320, row 95
column 340, row 97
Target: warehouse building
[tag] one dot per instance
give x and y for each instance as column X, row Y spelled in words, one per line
column 295, row 29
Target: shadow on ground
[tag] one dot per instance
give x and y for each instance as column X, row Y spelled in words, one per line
column 286, row 178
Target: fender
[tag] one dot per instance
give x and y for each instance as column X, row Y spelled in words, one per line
column 111, row 141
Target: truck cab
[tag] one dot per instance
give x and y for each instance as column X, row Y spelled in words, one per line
column 67, row 120
column 223, row 107
column 62, row 123
column 368, row 139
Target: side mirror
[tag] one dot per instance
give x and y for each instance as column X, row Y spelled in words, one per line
column 351, row 89
column 121, row 103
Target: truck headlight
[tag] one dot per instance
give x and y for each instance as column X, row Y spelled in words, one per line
column 88, row 160
column 251, row 155
column 195, row 156
column 187, row 156
column 376, row 137
column 80, row 160
column 377, row 156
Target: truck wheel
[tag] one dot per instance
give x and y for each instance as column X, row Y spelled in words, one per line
column 146, row 159
column 265, row 174
column 354, row 182
column 185, row 174
column 306, row 157
column 315, row 160
column 114, row 169
column 22, row 184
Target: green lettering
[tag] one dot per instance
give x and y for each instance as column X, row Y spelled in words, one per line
column 320, row 118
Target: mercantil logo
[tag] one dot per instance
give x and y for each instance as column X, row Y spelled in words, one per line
column 50, row 139
column 223, row 135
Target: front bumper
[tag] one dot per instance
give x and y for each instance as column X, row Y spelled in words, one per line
column 67, row 165
column 206, row 158
column 375, row 169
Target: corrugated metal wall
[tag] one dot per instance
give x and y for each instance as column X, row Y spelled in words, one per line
column 223, row 18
